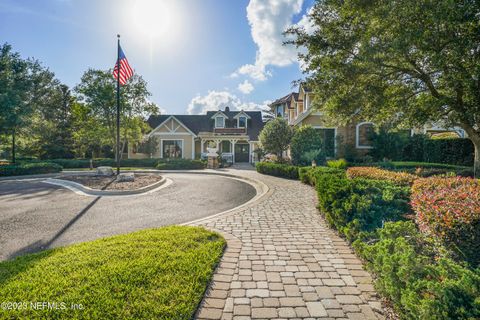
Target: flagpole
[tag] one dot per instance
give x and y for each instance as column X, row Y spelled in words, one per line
column 118, row 105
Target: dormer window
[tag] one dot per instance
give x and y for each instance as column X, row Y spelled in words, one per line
column 242, row 122
column 219, row 122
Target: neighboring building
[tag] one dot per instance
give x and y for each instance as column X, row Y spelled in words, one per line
column 296, row 108
column 235, row 133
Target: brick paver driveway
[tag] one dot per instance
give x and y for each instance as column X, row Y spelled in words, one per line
column 284, row 262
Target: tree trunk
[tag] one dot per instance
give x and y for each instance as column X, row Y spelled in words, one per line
column 474, row 136
column 13, row 146
column 476, row 161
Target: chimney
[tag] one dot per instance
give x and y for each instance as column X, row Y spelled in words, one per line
column 227, row 109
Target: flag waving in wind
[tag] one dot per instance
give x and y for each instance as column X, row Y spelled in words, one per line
column 126, row 71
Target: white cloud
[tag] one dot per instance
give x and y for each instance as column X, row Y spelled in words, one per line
column 306, row 23
column 245, row 87
column 268, row 20
column 218, row 100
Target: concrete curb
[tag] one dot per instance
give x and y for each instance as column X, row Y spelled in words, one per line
column 81, row 189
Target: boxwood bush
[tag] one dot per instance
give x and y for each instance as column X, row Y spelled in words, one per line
column 29, row 168
column 179, row 164
column 278, row 170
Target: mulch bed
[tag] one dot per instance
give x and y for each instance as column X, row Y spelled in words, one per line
column 110, row 183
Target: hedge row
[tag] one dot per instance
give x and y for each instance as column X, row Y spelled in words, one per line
column 180, row 164
column 401, row 178
column 85, row 163
column 448, row 209
column 406, row 263
column 29, row 168
column 357, row 205
column 418, row 283
column 278, row 170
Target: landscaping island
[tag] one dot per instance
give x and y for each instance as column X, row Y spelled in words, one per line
column 99, row 182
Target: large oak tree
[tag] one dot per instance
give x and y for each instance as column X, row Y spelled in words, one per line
column 406, row 62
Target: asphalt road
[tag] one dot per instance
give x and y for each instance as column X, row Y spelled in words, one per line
column 35, row 215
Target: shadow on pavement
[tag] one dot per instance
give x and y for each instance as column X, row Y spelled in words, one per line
column 42, row 245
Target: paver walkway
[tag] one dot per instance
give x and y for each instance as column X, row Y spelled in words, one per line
column 283, row 262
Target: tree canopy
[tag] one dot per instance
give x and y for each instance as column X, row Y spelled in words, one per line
column 275, row 136
column 405, row 63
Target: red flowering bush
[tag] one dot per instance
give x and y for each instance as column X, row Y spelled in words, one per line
column 401, row 178
column 449, row 210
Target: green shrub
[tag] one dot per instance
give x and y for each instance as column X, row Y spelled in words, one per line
column 418, row 285
column 309, row 175
column 337, row 164
column 400, row 178
column 180, row 164
column 306, row 142
column 85, row 163
column 29, row 168
column 356, row 205
column 278, row 170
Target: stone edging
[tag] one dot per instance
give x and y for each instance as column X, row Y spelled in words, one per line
column 221, row 279
column 83, row 190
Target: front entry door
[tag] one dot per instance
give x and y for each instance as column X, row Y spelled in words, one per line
column 242, row 152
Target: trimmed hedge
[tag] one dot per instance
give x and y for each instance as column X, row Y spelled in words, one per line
column 180, row 164
column 401, row 178
column 85, row 163
column 357, row 205
column 449, row 210
column 29, row 168
column 278, row 170
column 309, row 175
column 419, row 285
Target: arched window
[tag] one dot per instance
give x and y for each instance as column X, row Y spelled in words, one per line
column 363, row 135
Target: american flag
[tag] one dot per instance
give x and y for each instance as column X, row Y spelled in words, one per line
column 126, row 71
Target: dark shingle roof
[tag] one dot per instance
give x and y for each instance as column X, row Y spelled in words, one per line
column 204, row 123
column 286, row 99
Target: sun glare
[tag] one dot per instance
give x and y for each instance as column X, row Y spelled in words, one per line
column 157, row 19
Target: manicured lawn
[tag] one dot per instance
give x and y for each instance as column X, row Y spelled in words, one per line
column 151, row 274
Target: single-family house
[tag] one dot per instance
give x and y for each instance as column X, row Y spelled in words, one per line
column 234, row 133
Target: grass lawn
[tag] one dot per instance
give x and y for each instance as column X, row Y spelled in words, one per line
column 151, row 274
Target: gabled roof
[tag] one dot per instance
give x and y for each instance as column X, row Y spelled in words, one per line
column 241, row 113
column 194, row 123
column 286, row 99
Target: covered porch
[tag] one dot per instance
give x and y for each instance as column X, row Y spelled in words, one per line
column 233, row 149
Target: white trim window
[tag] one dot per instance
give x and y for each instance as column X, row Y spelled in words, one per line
column 242, row 122
column 363, row 132
column 219, row 122
column 172, row 149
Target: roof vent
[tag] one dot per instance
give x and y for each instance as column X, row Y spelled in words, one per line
column 227, row 109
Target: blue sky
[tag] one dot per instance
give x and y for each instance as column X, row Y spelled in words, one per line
column 196, row 55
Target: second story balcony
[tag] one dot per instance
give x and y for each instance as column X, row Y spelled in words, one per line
column 230, row 130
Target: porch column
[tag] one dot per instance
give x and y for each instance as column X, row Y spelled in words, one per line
column 232, row 142
column 250, row 153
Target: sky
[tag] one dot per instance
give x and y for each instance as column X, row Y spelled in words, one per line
column 196, row 55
